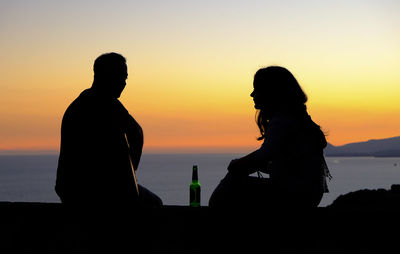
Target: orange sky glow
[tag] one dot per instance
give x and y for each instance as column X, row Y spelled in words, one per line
column 191, row 67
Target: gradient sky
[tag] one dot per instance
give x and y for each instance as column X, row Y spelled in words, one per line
column 191, row 65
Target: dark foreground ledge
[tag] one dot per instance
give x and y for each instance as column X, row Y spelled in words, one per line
column 52, row 228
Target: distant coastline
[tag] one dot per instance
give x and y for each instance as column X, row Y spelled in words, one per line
column 388, row 147
column 362, row 155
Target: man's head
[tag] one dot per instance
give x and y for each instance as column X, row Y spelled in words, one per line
column 110, row 73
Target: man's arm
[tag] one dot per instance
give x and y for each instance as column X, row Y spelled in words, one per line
column 134, row 134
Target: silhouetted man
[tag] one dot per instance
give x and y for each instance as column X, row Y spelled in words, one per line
column 94, row 166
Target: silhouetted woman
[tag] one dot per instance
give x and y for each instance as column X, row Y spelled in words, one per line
column 291, row 153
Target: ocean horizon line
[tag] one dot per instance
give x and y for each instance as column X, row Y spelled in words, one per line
column 155, row 152
column 56, row 153
column 185, row 150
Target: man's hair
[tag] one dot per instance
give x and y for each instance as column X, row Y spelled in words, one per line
column 109, row 64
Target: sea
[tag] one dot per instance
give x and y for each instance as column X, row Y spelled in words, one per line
column 31, row 178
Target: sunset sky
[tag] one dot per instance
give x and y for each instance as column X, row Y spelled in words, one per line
column 191, row 65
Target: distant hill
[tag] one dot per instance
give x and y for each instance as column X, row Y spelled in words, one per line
column 388, row 147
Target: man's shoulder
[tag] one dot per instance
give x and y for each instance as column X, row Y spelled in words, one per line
column 117, row 105
column 78, row 104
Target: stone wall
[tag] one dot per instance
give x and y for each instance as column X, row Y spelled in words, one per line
column 53, row 228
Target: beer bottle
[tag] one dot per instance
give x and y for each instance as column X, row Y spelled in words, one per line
column 195, row 189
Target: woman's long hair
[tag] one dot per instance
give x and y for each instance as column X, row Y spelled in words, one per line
column 281, row 94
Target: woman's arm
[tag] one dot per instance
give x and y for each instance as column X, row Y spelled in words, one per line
column 273, row 145
column 246, row 165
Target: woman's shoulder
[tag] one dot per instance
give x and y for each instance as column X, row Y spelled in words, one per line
column 288, row 127
column 280, row 130
column 283, row 123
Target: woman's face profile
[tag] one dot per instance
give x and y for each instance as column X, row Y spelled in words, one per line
column 257, row 96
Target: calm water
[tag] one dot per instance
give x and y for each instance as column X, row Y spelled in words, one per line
column 32, row 178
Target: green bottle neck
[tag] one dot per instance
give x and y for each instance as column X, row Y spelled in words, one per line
column 195, row 176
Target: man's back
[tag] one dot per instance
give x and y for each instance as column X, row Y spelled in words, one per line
column 101, row 144
column 94, row 161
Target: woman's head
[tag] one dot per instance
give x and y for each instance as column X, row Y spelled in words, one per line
column 277, row 90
